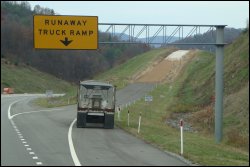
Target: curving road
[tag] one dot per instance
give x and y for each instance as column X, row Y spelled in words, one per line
column 31, row 135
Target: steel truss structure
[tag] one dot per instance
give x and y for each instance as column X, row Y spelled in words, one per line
column 132, row 33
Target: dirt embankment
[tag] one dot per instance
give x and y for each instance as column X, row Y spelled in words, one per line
column 167, row 69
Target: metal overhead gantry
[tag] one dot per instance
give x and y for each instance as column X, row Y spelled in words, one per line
column 164, row 33
column 130, row 33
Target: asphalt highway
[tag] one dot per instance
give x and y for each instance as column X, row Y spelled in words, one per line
column 31, row 135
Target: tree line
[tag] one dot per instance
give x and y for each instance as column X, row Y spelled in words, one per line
column 71, row 65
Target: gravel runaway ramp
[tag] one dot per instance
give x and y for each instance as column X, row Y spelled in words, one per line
column 167, row 69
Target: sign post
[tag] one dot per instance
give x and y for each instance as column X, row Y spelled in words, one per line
column 139, row 125
column 119, row 110
column 49, row 93
column 65, row 32
column 128, row 117
column 148, row 99
column 181, row 128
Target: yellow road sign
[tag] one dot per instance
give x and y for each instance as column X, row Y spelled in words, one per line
column 65, row 32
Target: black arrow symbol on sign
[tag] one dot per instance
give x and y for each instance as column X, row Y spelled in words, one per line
column 66, row 42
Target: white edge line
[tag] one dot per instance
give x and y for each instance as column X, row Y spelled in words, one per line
column 12, row 116
column 9, row 116
column 76, row 161
column 35, row 157
column 71, row 146
column 33, row 112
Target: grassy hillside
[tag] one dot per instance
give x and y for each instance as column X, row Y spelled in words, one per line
column 25, row 79
column 189, row 97
column 197, row 86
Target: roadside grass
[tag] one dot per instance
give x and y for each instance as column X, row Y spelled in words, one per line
column 25, row 79
column 236, row 64
column 198, row 147
column 68, row 99
column 197, row 80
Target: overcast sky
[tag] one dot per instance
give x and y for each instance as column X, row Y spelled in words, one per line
column 230, row 13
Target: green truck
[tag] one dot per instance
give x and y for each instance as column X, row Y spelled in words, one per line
column 95, row 104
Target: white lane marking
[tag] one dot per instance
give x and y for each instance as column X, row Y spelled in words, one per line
column 26, row 145
column 33, row 112
column 19, row 134
column 24, row 142
column 10, row 108
column 39, row 163
column 71, row 146
column 11, row 116
column 28, row 95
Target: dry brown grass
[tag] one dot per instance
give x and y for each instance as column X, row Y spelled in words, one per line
column 203, row 120
column 237, row 139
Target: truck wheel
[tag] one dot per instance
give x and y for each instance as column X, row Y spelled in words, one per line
column 81, row 120
column 109, row 121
